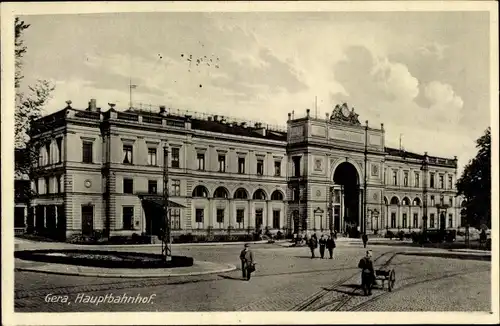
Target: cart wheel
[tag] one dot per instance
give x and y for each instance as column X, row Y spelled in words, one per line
column 392, row 280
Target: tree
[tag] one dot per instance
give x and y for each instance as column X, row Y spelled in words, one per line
column 475, row 184
column 29, row 106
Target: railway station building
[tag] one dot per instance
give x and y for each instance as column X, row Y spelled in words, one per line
column 103, row 170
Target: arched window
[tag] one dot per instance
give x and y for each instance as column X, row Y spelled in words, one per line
column 386, row 201
column 277, row 195
column 416, row 201
column 221, row 192
column 240, row 193
column 259, row 194
column 394, row 201
column 405, row 201
column 200, row 191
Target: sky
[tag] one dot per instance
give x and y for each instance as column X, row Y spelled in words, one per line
column 425, row 75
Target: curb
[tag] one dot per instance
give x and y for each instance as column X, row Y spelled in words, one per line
column 198, row 244
column 451, row 255
column 229, row 268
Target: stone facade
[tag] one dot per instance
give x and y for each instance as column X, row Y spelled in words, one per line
column 96, row 168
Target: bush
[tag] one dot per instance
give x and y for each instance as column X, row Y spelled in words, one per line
column 389, row 234
column 279, row 235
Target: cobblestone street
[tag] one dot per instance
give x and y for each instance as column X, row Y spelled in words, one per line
column 286, row 279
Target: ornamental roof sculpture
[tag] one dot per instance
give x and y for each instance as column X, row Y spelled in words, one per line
column 341, row 113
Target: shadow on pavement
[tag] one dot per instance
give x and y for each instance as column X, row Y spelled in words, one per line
column 231, row 277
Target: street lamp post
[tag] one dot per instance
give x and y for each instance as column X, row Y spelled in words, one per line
column 166, row 248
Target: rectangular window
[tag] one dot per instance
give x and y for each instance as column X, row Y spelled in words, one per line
column 394, row 177
column 58, row 180
column 37, row 189
column 450, row 182
column 415, row 220
column 296, row 166
column 405, row 179
column 127, row 154
column 200, row 157
column 241, row 165
column 128, row 217
column 441, row 181
column 128, row 186
column 152, row 186
column 393, row 220
column 259, row 217
column 220, row 218
column 175, row 217
column 199, row 216
column 433, row 201
column 405, row 225
column 152, row 157
column 450, row 220
column 336, row 197
column 276, row 219
column 47, row 148
column 432, row 180
column 431, row 221
column 222, row 163
column 277, row 168
column 240, row 218
column 296, row 194
column 47, row 185
column 450, row 201
column 87, row 152
column 417, row 179
column 175, row 189
column 176, row 158
column 59, row 149
column 260, row 167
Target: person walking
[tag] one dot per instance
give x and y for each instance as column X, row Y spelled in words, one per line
column 367, row 273
column 322, row 245
column 247, row 262
column 313, row 244
column 330, row 245
column 364, row 237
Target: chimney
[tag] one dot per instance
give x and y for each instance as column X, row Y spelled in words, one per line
column 93, row 105
column 209, row 118
column 163, row 110
column 308, row 111
column 244, row 124
column 216, row 118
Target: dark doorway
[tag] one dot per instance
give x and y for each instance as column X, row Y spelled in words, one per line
column 30, row 220
column 19, row 217
column 61, row 222
column 155, row 217
column 347, row 176
column 40, row 218
column 442, row 221
column 51, row 220
column 295, row 222
column 87, row 220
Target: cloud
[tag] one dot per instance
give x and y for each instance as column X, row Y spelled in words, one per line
column 364, row 77
column 433, row 49
column 442, row 96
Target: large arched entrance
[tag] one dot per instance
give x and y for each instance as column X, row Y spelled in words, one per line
column 346, row 180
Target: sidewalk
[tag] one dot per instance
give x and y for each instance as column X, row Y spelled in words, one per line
column 22, row 244
column 199, row 268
